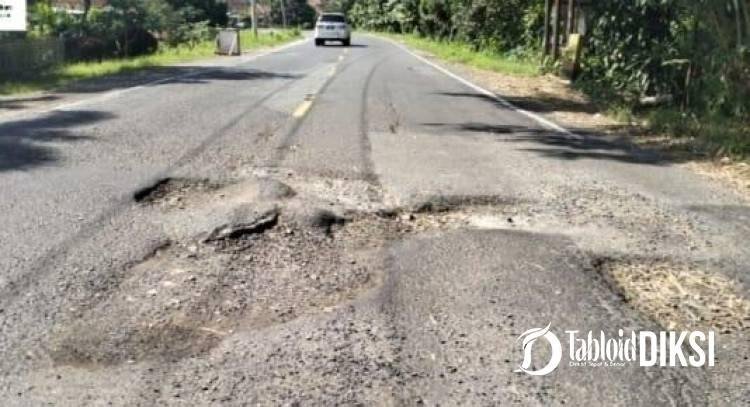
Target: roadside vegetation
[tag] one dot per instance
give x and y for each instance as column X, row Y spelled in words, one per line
column 679, row 68
column 464, row 53
column 59, row 76
column 64, row 45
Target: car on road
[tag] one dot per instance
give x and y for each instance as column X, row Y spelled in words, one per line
column 332, row 27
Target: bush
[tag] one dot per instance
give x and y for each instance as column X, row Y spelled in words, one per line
column 87, row 48
column 190, row 33
column 136, row 41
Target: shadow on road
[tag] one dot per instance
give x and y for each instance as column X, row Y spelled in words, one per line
column 586, row 147
column 22, row 102
column 582, row 144
column 22, row 142
column 543, row 104
column 155, row 76
column 160, row 76
column 611, row 143
column 334, row 44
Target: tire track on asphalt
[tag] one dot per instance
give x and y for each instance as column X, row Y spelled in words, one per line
column 292, row 133
column 364, row 137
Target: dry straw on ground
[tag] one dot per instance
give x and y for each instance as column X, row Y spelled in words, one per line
column 681, row 297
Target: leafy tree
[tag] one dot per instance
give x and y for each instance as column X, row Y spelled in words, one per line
column 695, row 51
column 298, row 13
column 193, row 11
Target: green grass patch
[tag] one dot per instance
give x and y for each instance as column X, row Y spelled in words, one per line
column 706, row 134
column 459, row 52
column 715, row 135
column 78, row 71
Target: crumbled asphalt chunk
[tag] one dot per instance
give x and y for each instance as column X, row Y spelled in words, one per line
column 237, row 230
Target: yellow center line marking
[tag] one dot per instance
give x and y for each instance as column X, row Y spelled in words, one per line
column 302, row 108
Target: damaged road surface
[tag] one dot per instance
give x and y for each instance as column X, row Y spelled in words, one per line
column 353, row 227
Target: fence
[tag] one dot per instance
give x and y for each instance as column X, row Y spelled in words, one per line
column 24, row 55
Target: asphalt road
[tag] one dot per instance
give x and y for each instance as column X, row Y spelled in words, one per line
column 422, row 227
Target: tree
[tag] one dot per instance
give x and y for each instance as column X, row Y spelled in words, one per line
column 194, row 11
column 298, row 13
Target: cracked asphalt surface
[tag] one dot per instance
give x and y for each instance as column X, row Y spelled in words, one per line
column 336, row 225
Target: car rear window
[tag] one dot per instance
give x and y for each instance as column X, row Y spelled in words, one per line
column 332, row 18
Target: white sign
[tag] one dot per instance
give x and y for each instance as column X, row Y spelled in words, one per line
column 12, row 15
column 644, row 348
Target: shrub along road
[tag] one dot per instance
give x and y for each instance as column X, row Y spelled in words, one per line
column 350, row 225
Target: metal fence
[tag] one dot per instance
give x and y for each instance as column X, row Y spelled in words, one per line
column 25, row 55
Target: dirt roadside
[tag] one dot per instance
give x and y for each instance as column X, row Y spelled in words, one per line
column 554, row 99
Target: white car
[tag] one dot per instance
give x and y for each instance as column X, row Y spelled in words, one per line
column 332, row 27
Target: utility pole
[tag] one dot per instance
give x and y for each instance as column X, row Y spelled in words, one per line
column 283, row 13
column 254, row 17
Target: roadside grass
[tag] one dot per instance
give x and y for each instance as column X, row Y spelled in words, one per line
column 76, row 71
column 459, row 52
column 698, row 133
column 715, row 136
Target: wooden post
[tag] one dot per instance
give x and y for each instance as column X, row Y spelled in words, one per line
column 545, row 39
column 556, row 31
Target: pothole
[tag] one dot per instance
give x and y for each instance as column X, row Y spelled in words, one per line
column 447, row 203
column 679, row 296
column 191, row 294
column 184, row 297
column 82, row 344
column 172, row 191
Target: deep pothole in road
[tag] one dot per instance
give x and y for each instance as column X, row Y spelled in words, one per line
column 185, row 297
column 173, row 191
column 678, row 295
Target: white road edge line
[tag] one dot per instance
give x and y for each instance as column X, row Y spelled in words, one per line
column 120, row 92
column 541, row 120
